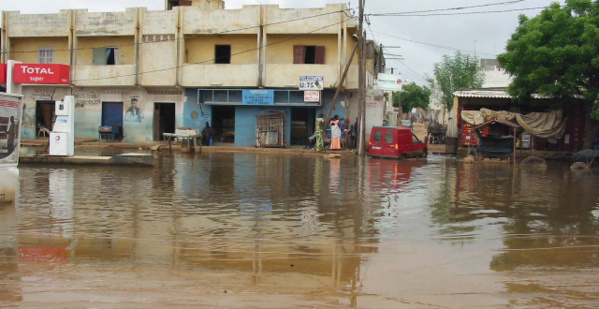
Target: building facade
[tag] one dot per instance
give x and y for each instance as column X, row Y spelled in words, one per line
column 152, row 72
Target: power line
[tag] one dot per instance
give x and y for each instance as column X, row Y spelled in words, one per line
column 450, row 9
column 471, row 13
column 430, row 44
column 423, row 77
column 212, row 59
column 186, row 37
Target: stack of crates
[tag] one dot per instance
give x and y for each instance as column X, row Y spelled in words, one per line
column 468, row 138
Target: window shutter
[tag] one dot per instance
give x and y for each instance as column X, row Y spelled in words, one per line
column 298, row 54
column 319, row 59
column 99, row 56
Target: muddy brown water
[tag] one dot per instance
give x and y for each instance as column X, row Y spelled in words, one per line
column 284, row 231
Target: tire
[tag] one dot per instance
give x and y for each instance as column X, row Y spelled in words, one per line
column 425, row 153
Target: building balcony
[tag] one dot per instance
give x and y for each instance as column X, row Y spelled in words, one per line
column 219, row 75
column 106, row 23
column 38, row 25
column 104, row 75
column 288, row 75
column 198, row 21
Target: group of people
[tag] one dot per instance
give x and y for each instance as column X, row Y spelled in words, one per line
column 317, row 139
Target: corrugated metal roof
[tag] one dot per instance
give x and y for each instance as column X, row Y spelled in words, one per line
column 479, row 93
column 490, row 94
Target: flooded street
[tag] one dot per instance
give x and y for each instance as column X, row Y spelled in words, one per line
column 226, row 230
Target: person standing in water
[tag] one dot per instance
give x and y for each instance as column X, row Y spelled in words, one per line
column 335, row 133
column 319, row 133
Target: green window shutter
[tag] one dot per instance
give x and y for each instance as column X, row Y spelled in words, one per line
column 99, row 57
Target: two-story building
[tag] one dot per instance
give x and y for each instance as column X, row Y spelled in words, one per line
column 151, row 72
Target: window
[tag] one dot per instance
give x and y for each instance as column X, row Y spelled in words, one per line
column 308, row 54
column 46, row 55
column 106, row 56
column 389, row 137
column 222, row 54
column 378, row 136
column 415, row 139
column 174, row 3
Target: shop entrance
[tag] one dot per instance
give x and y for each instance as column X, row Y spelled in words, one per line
column 302, row 125
column 44, row 117
column 223, row 123
column 164, row 120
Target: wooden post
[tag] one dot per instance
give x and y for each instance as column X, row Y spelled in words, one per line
column 341, row 81
column 515, row 146
column 362, row 79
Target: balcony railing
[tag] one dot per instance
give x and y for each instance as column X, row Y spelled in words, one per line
column 104, row 75
column 288, row 75
column 219, row 75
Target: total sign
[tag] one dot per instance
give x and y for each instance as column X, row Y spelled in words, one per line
column 41, row 74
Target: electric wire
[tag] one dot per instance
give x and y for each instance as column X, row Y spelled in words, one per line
column 472, row 13
column 449, row 9
column 188, row 36
column 433, row 45
column 212, row 59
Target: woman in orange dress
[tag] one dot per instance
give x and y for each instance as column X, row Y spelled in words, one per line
column 335, row 133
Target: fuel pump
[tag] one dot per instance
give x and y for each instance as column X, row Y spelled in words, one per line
column 62, row 136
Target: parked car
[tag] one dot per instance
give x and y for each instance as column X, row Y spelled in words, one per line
column 395, row 142
column 407, row 124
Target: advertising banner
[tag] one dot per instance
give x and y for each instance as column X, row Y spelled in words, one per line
column 45, row 73
column 311, row 96
column 311, row 82
column 10, row 129
column 390, row 82
column 258, row 97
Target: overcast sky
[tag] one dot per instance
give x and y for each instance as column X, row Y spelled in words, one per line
column 423, row 40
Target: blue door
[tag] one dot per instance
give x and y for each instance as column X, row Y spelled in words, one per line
column 112, row 114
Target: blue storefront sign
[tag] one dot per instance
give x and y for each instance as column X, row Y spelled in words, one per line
column 258, row 97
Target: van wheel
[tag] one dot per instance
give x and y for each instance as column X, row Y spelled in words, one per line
column 425, row 153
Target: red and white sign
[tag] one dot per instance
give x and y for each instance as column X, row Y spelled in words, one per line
column 3, row 73
column 389, row 82
column 46, row 73
column 312, row 96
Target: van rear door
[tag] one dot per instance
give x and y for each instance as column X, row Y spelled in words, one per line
column 376, row 142
column 389, row 143
column 405, row 142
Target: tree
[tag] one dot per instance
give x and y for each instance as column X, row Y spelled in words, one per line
column 556, row 53
column 412, row 96
column 457, row 72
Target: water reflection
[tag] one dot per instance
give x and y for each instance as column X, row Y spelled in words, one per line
column 548, row 221
column 343, row 231
column 10, row 278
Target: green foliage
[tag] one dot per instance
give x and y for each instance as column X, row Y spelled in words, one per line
column 457, row 72
column 556, row 53
column 412, row 96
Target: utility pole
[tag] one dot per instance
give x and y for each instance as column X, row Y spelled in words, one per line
column 342, row 80
column 362, row 79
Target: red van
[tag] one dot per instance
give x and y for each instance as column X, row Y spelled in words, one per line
column 395, row 142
